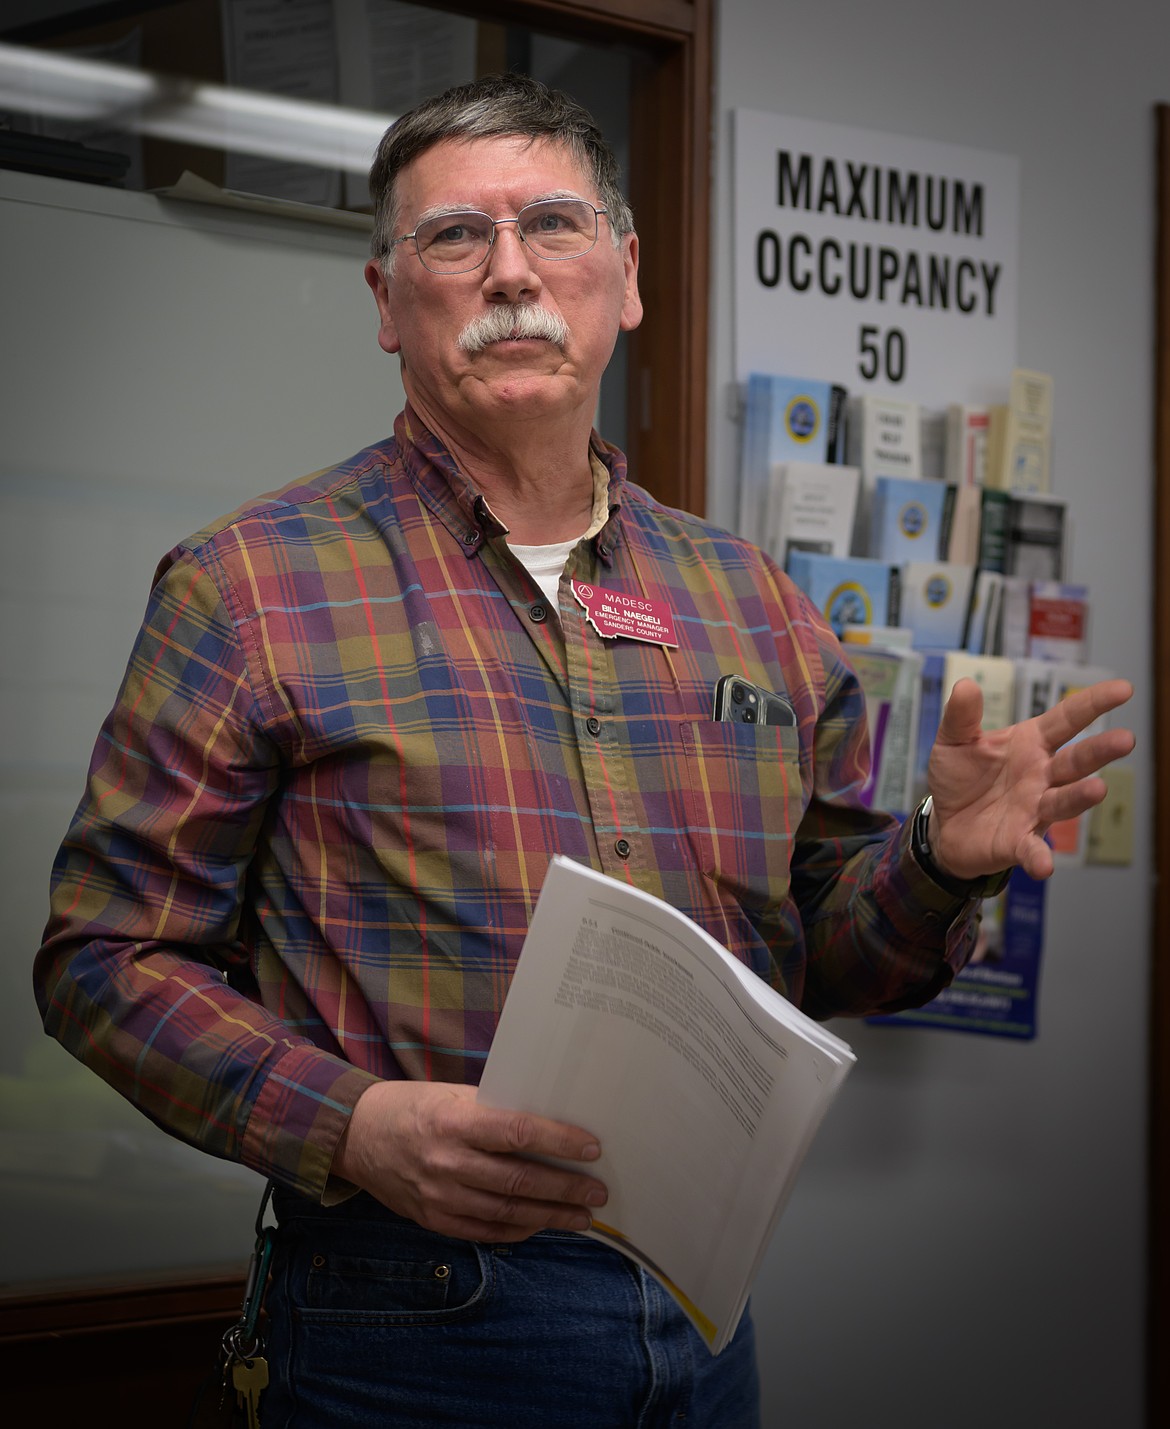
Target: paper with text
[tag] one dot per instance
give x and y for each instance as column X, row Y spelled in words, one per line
column 703, row 1085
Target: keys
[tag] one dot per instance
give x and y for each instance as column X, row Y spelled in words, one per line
column 250, row 1378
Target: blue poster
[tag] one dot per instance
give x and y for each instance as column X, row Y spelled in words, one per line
column 996, row 992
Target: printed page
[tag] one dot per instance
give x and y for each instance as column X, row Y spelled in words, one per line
column 811, row 507
column 280, row 47
column 703, row 1085
column 391, row 56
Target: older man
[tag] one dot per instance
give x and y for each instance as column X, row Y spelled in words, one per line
column 360, row 718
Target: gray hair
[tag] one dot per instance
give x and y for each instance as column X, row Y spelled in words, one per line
column 500, row 106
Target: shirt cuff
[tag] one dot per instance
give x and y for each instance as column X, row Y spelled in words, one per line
column 298, row 1118
column 928, row 901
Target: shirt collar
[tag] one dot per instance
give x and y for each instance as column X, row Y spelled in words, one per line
column 462, row 507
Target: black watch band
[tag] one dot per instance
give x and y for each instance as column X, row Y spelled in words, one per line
column 920, row 847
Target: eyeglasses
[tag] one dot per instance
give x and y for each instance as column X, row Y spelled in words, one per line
column 554, row 228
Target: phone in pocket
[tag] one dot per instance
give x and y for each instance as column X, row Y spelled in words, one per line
column 742, row 702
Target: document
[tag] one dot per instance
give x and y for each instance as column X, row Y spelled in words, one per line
column 284, row 47
column 703, row 1085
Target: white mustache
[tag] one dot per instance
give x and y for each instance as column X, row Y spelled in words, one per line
column 513, row 320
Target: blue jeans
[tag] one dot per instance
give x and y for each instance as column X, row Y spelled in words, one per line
column 375, row 1321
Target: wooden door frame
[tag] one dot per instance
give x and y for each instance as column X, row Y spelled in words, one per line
column 670, row 184
column 1158, row 1275
column 102, row 1328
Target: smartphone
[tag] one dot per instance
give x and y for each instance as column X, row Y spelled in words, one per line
column 739, row 700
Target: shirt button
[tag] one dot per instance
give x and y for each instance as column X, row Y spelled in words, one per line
column 470, row 538
column 593, row 725
column 622, row 848
column 537, row 614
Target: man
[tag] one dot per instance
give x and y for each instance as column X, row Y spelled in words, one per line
column 360, row 718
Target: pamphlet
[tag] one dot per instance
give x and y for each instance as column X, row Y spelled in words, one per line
column 892, row 681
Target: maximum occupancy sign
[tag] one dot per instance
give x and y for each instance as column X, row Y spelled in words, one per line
column 872, row 259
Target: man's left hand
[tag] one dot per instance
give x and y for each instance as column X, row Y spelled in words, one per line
column 996, row 792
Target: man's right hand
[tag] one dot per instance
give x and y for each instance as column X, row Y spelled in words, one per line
column 431, row 1152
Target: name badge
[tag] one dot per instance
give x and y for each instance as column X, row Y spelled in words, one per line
column 612, row 613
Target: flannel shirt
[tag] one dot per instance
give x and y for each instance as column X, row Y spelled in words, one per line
column 351, row 736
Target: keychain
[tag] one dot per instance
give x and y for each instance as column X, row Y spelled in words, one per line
column 243, row 1345
column 241, row 1357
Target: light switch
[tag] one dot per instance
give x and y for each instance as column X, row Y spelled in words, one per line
column 1111, row 823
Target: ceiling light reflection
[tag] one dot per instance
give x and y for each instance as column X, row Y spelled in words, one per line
column 212, row 115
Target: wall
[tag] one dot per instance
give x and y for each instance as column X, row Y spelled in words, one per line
column 966, row 1246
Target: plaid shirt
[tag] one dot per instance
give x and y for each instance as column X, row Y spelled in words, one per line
column 351, row 736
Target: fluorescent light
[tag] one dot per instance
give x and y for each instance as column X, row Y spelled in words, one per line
column 66, row 86
column 246, row 122
column 239, row 120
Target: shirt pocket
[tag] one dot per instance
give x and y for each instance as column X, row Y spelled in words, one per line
column 744, row 799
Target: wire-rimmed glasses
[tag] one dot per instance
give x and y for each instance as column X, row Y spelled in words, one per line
column 553, row 228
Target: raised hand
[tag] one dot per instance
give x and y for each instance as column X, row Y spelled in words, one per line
column 997, row 791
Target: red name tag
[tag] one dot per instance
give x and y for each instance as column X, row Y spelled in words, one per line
column 613, row 613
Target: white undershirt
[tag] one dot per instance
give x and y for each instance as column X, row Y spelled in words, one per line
column 545, row 564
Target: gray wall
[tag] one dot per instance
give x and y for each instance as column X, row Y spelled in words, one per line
column 966, row 1245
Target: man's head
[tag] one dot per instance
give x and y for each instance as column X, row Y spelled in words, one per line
column 499, row 106
column 505, row 297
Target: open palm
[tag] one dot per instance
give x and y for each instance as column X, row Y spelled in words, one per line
column 997, row 791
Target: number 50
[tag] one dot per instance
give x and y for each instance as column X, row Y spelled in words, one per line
column 882, row 357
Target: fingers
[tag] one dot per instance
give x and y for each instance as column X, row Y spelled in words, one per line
column 525, row 1135
column 1036, row 859
column 489, row 1159
column 962, row 718
column 518, row 1186
column 1085, row 756
column 430, row 1152
column 483, row 1215
column 1072, row 800
column 507, row 1151
column 1064, row 721
column 461, row 1227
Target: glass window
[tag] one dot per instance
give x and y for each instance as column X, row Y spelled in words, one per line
column 241, row 95
column 265, row 99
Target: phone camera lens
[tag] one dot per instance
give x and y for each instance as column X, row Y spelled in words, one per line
column 737, row 694
column 749, row 716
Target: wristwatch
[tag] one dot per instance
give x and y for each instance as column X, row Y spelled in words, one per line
column 920, row 847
